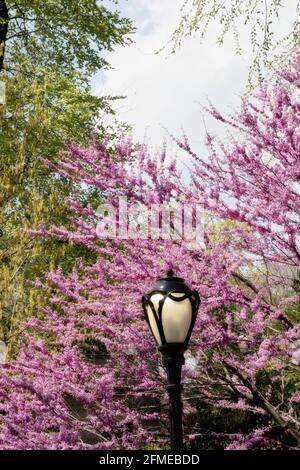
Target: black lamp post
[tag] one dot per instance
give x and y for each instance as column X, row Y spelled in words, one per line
column 171, row 308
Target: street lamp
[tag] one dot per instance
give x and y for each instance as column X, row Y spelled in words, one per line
column 171, row 308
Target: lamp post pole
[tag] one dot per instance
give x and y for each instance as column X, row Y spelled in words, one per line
column 173, row 360
column 171, row 308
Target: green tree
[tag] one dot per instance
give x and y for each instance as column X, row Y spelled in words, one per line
column 64, row 34
column 48, row 51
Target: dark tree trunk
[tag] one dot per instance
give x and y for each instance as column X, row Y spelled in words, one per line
column 4, row 18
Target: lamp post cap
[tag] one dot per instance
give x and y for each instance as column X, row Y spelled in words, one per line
column 170, row 282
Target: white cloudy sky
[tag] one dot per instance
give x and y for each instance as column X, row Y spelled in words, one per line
column 165, row 91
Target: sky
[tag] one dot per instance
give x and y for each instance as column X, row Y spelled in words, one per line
column 165, row 92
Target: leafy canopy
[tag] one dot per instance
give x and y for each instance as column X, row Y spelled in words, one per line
column 68, row 34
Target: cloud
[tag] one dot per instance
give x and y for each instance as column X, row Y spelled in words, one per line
column 165, row 91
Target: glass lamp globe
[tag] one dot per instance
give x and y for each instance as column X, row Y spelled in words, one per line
column 171, row 308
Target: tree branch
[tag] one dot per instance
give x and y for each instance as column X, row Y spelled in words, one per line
column 261, row 401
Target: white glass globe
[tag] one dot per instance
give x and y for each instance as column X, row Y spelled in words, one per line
column 176, row 317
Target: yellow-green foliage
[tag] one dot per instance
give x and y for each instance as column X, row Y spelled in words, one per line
column 258, row 18
column 51, row 49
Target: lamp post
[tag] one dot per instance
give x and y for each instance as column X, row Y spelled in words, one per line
column 171, row 308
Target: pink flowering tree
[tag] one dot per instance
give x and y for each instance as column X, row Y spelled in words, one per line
column 88, row 374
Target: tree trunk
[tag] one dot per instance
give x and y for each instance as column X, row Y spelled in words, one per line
column 4, row 18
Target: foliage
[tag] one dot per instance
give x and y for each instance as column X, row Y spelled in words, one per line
column 259, row 16
column 242, row 344
column 49, row 49
column 66, row 34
